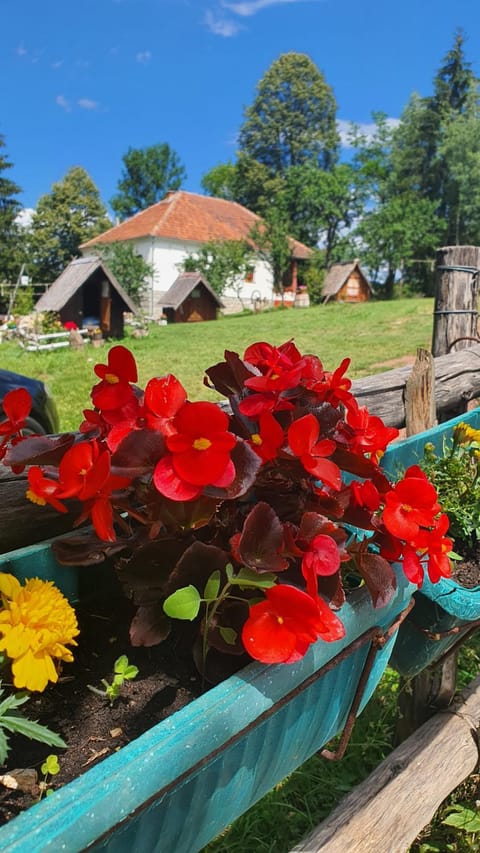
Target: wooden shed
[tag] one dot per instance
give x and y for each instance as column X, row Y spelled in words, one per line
column 346, row 282
column 190, row 299
column 88, row 294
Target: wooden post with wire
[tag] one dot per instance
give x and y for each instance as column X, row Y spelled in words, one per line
column 455, row 317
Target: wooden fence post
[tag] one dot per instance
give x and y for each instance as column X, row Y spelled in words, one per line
column 420, row 409
column 456, row 296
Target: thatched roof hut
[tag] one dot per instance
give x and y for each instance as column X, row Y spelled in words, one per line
column 345, row 282
column 190, row 299
column 88, row 293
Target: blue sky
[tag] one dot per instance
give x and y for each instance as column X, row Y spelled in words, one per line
column 82, row 81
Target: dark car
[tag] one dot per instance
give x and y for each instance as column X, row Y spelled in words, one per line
column 43, row 418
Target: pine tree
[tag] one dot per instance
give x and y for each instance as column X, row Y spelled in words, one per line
column 10, row 234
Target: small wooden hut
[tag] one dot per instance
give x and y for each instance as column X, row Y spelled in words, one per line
column 190, row 299
column 346, row 282
column 88, row 294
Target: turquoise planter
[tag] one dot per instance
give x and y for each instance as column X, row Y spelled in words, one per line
column 180, row 784
column 444, row 612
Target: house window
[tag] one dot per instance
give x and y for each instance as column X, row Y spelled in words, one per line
column 249, row 275
column 195, row 294
column 353, row 288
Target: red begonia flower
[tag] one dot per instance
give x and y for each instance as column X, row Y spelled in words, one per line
column 366, row 433
column 280, row 367
column 83, row 471
column 115, row 389
column 267, row 442
column 303, row 437
column 412, row 503
column 437, row 546
column 256, row 404
column 333, row 388
column 99, row 508
column 322, row 556
column 365, row 494
column 164, row 397
column 201, row 445
column 43, row 491
column 281, row 628
column 412, row 565
column 16, row 406
column 169, row 484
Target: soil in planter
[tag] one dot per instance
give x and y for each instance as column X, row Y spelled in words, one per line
column 467, row 571
column 92, row 728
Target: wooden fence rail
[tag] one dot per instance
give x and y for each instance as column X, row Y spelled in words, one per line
column 457, row 381
column 387, row 811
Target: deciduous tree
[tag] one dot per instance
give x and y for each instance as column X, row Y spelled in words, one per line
column 68, row 216
column 224, row 263
column 148, row 174
column 129, row 268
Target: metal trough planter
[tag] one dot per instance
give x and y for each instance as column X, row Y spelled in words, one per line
column 182, row 782
column 444, row 612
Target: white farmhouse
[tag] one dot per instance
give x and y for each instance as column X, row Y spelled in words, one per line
column 167, row 232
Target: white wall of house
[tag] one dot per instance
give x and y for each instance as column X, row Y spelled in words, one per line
column 166, row 258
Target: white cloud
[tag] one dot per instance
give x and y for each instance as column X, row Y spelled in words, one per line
column 56, row 65
column 61, row 101
column 143, row 56
column 24, row 218
column 251, row 7
column 367, row 129
column 88, row 104
column 220, row 26
column 21, row 50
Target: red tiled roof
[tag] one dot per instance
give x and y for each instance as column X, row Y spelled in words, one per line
column 191, row 217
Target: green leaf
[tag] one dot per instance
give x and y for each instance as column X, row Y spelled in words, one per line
column 228, row 635
column 125, row 669
column 229, row 571
column 463, row 818
column 32, row 730
column 212, row 587
column 184, row 603
column 51, row 765
column 12, row 702
column 3, row 746
column 453, row 556
column 131, row 672
column 250, row 579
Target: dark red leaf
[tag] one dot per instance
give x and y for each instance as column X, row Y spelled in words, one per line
column 39, row 450
column 149, row 626
column 378, row 576
column 246, row 463
column 228, row 376
column 196, row 565
column 84, row 549
column 361, row 467
column 331, row 588
column 138, row 453
column 262, row 540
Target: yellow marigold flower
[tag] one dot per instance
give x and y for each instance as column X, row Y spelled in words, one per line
column 464, row 434
column 36, row 625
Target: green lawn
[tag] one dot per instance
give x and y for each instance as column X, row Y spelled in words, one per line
column 371, row 334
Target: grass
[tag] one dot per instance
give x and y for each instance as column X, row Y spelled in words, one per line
column 372, row 334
